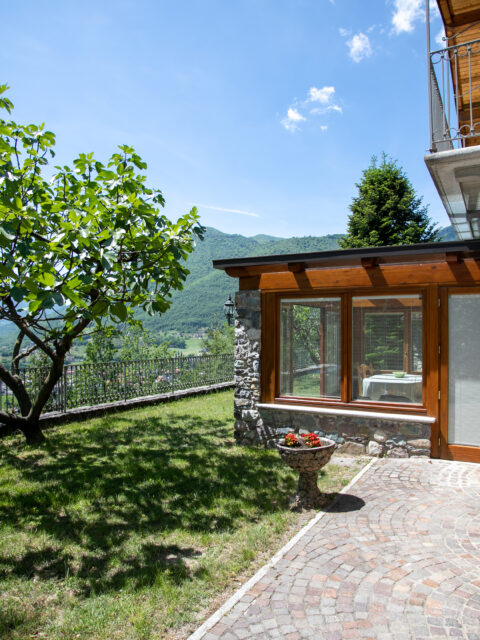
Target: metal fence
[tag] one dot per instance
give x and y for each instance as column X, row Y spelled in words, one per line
column 91, row 384
column 453, row 91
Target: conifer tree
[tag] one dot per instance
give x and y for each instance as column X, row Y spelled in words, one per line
column 387, row 211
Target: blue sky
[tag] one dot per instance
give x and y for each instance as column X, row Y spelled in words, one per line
column 263, row 113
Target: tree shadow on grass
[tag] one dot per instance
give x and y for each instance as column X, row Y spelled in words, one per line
column 135, row 480
column 94, row 571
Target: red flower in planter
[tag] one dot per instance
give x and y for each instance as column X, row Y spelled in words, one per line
column 311, row 440
column 291, row 440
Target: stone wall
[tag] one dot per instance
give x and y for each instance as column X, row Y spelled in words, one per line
column 249, row 427
column 374, row 436
column 355, row 435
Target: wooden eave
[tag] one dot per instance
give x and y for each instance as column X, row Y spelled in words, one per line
column 458, row 13
column 366, row 259
column 362, row 263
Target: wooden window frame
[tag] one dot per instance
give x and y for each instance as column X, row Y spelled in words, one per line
column 270, row 370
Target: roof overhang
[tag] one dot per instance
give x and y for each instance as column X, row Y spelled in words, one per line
column 456, row 174
column 365, row 257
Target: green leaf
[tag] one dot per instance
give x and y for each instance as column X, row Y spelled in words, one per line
column 46, row 279
column 18, row 293
column 4, row 231
column 119, row 310
column 73, row 296
column 59, row 299
column 99, row 307
column 6, row 271
column 34, row 305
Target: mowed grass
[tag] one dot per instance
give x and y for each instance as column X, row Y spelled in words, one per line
column 134, row 525
column 193, row 346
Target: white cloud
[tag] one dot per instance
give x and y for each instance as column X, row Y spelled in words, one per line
column 319, row 111
column 323, row 127
column 240, row 211
column 344, row 32
column 323, row 98
column 294, row 115
column 293, row 119
column 408, row 12
column 359, row 47
column 434, row 10
column 323, row 95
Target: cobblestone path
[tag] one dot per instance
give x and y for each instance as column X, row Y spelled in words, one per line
column 398, row 557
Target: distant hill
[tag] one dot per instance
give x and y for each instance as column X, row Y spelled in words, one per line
column 206, row 289
column 447, row 234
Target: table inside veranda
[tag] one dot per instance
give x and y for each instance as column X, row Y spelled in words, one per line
column 410, row 386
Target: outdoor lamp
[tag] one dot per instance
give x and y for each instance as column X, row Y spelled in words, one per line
column 229, row 310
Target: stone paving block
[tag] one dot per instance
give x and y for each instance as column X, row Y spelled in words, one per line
column 402, row 567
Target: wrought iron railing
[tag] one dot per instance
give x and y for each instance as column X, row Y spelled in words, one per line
column 91, row 384
column 454, row 90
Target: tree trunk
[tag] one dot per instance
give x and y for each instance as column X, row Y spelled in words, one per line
column 32, row 432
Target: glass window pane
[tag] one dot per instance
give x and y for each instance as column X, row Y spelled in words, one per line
column 310, row 349
column 463, row 378
column 387, row 348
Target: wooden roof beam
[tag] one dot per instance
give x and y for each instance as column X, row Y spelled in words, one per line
column 296, row 267
column 464, row 19
column 453, row 257
column 370, row 262
column 445, row 10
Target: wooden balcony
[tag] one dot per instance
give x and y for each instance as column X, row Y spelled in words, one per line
column 454, row 92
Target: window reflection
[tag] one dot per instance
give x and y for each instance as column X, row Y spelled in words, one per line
column 387, row 348
column 310, row 348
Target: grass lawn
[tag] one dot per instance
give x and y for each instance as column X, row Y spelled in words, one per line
column 193, row 346
column 136, row 525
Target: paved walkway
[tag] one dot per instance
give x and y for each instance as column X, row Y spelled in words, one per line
column 397, row 557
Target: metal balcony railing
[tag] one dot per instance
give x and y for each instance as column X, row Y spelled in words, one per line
column 454, row 94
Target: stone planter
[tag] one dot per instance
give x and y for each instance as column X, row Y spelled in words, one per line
column 308, row 463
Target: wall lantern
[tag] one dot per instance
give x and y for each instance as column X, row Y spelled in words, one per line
column 229, row 310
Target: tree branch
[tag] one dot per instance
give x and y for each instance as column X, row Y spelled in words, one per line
column 16, row 385
column 22, row 325
column 16, row 350
column 25, row 353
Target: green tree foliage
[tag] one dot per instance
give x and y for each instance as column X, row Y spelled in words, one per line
column 139, row 344
column 219, row 338
column 100, row 347
column 82, row 250
column 386, row 210
column 174, row 340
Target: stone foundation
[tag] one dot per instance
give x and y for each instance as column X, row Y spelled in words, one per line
column 355, row 435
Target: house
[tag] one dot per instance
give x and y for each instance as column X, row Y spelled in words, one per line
column 378, row 348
